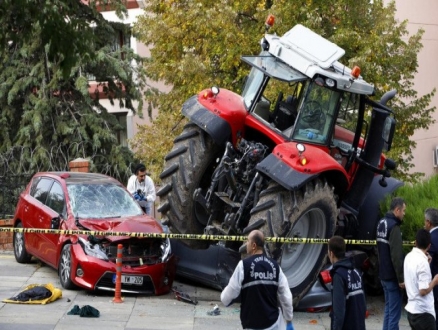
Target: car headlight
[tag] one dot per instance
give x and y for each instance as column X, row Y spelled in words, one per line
column 92, row 250
column 165, row 250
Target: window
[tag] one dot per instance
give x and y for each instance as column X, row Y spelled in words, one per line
column 122, row 134
column 55, row 199
column 121, row 39
column 42, row 189
column 317, row 114
column 100, row 201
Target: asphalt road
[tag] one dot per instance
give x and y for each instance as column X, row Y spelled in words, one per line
column 135, row 312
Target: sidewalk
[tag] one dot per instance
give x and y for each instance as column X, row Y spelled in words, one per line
column 136, row 312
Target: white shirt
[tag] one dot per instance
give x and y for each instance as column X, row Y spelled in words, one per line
column 232, row 291
column 147, row 187
column 418, row 276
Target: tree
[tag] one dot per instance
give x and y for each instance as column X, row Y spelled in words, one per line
column 198, row 44
column 48, row 50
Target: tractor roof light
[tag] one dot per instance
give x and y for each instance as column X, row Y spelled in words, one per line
column 355, row 72
column 303, row 160
column 269, row 21
column 319, row 81
column 330, row 82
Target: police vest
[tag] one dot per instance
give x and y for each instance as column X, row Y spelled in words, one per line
column 355, row 297
column 259, row 308
column 384, row 229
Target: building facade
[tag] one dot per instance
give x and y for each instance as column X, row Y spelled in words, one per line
column 422, row 14
column 126, row 117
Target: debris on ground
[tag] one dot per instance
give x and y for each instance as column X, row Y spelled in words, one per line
column 181, row 296
column 214, row 311
column 85, row 311
column 36, row 294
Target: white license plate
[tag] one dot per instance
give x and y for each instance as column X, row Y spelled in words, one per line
column 127, row 279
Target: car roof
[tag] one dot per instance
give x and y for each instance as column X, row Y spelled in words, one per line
column 80, row 177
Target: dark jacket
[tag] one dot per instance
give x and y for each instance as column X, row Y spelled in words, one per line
column 433, row 251
column 348, row 298
column 263, row 288
column 390, row 249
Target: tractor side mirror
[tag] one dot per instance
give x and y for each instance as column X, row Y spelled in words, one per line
column 55, row 223
column 388, row 132
column 389, row 166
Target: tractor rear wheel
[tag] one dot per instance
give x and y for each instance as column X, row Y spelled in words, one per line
column 189, row 166
column 308, row 213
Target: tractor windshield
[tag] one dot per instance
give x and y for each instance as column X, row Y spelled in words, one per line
column 265, row 67
column 316, row 116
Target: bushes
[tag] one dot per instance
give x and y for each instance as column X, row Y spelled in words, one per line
column 418, row 197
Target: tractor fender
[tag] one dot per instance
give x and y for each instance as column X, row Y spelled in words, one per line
column 221, row 116
column 283, row 165
column 291, row 179
column 285, row 175
column 369, row 212
column 218, row 128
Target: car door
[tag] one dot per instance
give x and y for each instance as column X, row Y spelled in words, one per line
column 32, row 214
column 54, row 207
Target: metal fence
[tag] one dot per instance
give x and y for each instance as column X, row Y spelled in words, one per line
column 10, row 190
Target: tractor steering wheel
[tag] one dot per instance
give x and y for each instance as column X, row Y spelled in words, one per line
column 313, row 115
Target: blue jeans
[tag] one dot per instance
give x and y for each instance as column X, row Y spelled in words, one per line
column 146, row 206
column 393, row 305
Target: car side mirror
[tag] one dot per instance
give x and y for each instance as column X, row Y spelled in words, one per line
column 55, row 223
column 388, row 132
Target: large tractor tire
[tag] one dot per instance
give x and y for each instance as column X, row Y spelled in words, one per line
column 189, row 165
column 308, row 213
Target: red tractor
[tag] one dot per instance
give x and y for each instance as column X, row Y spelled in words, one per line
column 297, row 154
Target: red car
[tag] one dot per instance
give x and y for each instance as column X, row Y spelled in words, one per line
column 89, row 201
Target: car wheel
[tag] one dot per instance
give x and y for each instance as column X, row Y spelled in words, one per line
column 65, row 269
column 20, row 252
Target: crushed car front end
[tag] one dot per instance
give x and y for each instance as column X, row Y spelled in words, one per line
column 148, row 265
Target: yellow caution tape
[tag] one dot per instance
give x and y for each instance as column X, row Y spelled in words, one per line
column 203, row 237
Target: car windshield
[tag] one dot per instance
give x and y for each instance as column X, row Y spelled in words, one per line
column 101, row 201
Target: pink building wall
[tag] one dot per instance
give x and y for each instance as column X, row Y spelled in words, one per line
column 424, row 14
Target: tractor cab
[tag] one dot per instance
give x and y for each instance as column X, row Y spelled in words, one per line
column 299, row 108
column 305, row 95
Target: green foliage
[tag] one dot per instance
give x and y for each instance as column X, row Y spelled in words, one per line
column 64, row 26
column 198, row 44
column 418, row 198
column 47, row 51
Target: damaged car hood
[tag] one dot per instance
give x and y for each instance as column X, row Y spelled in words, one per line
column 141, row 224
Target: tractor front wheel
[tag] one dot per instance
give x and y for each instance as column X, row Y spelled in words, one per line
column 189, row 167
column 308, row 213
